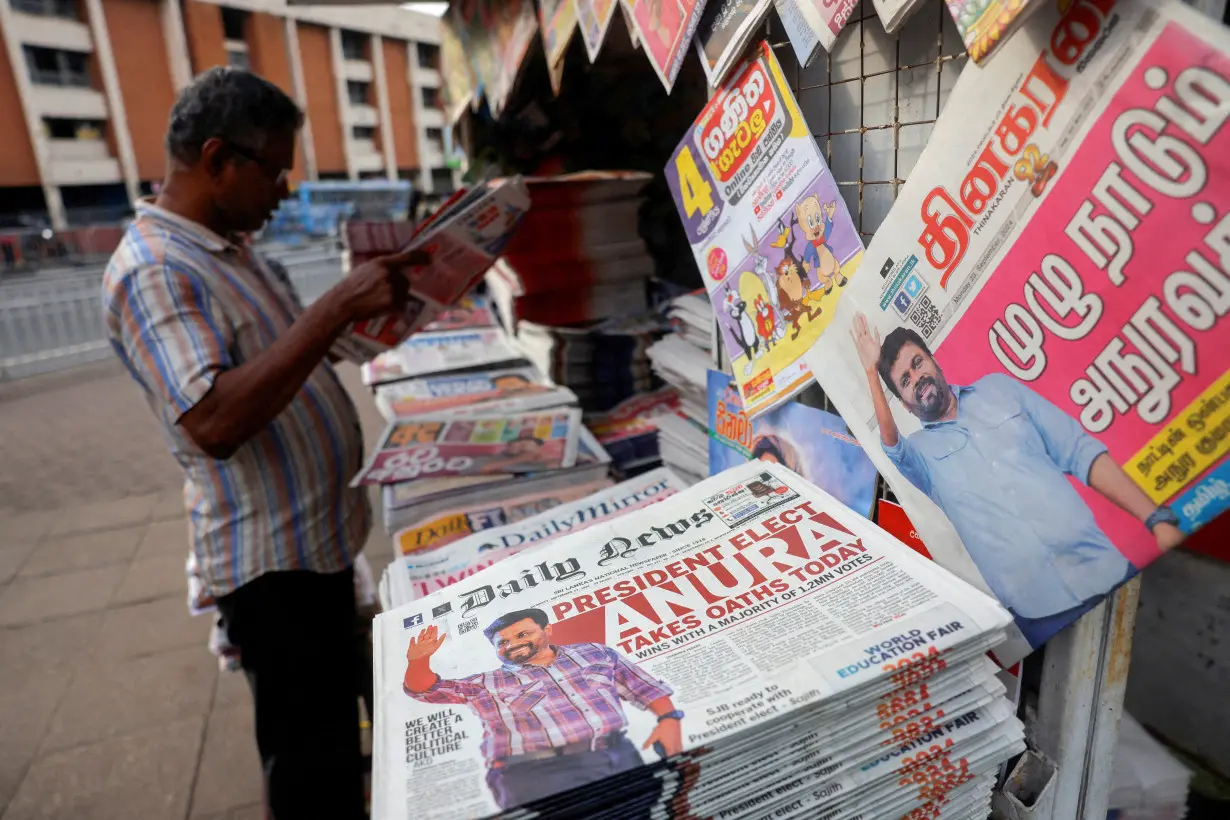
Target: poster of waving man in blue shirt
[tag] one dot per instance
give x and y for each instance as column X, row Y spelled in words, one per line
column 996, row 457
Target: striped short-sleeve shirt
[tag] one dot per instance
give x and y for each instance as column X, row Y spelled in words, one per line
column 183, row 304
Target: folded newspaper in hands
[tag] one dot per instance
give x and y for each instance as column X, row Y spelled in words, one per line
column 747, row 648
column 464, row 239
column 1035, row 350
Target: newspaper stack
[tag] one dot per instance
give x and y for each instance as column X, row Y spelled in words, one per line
column 691, row 315
column 485, row 392
column 629, row 431
column 409, row 503
column 578, row 255
column 603, row 364
column 1148, row 783
column 683, row 437
column 748, row 648
column 434, row 557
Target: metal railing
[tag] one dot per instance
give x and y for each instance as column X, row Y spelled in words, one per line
column 54, row 320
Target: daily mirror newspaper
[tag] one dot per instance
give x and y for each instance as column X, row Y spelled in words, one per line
column 1035, row 350
column 768, row 227
column 425, row 571
column 442, row 446
column 727, row 606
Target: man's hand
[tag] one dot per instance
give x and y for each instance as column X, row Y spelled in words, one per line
column 1168, row 536
column 867, row 342
column 669, row 733
column 425, row 645
column 376, row 288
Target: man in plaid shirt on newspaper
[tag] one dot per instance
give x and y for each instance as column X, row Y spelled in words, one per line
column 552, row 717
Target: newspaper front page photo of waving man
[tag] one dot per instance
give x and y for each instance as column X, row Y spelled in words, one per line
column 552, row 715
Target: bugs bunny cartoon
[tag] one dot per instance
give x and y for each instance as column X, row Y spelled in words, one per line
column 769, row 278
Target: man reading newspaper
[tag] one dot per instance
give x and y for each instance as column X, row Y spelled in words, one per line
column 996, row 457
column 552, row 715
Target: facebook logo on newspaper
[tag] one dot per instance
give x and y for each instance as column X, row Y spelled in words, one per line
column 412, row 621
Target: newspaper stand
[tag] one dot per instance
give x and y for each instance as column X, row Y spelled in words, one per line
column 871, row 103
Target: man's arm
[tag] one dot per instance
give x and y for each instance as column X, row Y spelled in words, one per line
column 669, row 731
column 419, row 677
column 868, row 346
column 245, row 399
column 1109, row 479
column 1083, row 457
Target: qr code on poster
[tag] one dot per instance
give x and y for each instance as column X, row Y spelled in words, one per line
column 926, row 317
column 467, row 626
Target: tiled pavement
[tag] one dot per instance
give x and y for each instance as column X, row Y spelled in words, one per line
column 110, row 704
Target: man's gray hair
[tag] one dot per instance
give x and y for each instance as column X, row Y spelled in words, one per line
column 233, row 105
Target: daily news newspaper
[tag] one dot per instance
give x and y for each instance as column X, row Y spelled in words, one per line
column 768, row 227
column 733, row 603
column 424, row 571
column 464, row 240
column 1035, row 350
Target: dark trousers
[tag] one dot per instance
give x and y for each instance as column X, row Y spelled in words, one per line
column 519, row 783
column 1039, row 630
column 295, row 632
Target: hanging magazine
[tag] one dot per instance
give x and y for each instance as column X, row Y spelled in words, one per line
column 807, row 440
column 664, row 29
column 724, row 31
column 594, row 18
column 1036, row 354
column 438, row 447
column 768, row 227
column 814, row 24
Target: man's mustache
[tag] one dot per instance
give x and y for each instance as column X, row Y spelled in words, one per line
column 923, row 383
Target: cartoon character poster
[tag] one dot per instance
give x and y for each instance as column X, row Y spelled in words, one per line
column 768, row 227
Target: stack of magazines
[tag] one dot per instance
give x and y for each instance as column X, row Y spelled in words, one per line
column 436, row 555
column 683, row 437
column 629, row 431
column 603, row 364
column 746, row 648
column 691, row 316
column 579, row 256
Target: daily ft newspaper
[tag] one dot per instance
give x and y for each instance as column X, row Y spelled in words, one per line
column 741, row 599
column 1034, row 351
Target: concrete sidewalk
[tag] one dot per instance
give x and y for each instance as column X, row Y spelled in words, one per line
column 111, row 705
